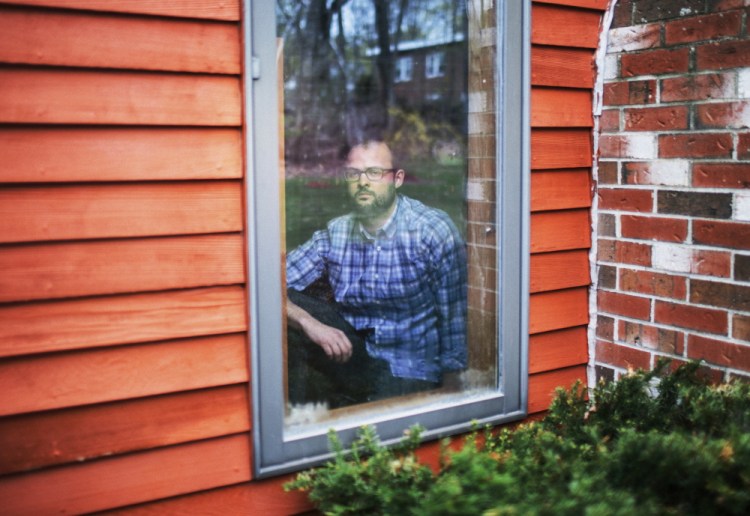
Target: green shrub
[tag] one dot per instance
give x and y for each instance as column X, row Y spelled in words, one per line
column 651, row 443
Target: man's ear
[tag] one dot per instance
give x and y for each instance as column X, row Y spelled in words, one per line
column 398, row 177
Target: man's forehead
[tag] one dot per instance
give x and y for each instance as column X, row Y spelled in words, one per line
column 373, row 154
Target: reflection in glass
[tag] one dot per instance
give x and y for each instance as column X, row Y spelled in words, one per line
column 389, row 212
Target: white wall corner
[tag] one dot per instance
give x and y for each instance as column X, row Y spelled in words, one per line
column 602, row 71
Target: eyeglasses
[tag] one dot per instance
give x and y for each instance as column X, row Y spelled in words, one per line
column 372, row 173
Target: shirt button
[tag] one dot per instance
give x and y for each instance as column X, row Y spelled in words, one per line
column 378, row 248
column 377, row 276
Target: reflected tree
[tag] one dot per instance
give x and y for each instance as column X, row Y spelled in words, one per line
column 340, row 64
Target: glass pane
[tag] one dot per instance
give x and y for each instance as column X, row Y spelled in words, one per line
column 388, row 177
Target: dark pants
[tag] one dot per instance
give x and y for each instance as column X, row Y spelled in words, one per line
column 313, row 377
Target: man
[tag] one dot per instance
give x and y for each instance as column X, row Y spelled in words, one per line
column 397, row 269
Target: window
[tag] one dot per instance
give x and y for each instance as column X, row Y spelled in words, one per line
column 388, row 235
column 403, row 69
column 434, row 65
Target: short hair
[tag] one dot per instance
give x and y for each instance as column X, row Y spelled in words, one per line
column 347, row 148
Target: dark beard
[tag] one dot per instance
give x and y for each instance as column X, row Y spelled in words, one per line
column 379, row 205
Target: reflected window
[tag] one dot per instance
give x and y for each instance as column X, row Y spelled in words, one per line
column 403, row 69
column 393, row 281
column 434, row 65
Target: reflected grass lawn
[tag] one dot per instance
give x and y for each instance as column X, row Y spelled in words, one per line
column 312, row 201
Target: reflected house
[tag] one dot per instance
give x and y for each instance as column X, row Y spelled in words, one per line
column 430, row 73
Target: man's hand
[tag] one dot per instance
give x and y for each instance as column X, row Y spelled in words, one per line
column 334, row 342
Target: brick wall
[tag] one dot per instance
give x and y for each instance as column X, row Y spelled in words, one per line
column 673, row 216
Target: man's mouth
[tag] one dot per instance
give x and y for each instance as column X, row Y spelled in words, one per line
column 363, row 194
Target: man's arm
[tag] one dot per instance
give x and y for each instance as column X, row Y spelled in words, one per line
column 334, row 342
column 450, row 283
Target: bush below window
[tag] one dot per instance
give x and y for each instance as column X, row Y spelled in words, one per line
column 651, row 443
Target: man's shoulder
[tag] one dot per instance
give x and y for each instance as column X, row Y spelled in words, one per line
column 340, row 222
column 421, row 216
column 340, row 226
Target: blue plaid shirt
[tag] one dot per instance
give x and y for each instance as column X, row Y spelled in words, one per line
column 407, row 283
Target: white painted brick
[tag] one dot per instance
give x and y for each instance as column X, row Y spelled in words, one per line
column 641, row 146
column 741, row 116
column 478, row 102
column 742, row 205
column 671, row 257
column 670, row 172
column 610, row 67
column 626, row 39
column 479, row 123
column 743, row 83
column 488, row 37
column 475, row 191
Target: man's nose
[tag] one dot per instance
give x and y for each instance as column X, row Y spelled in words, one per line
column 363, row 179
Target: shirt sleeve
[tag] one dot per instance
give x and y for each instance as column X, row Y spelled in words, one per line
column 450, row 284
column 307, row 262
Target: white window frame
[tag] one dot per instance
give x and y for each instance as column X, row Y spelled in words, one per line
column 404, row 69
column 434, row 63
column 273, row 455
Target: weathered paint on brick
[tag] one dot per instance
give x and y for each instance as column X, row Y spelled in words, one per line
column 702, row 28
column 675, row 128
column 703, row 86
column 667, row 172
column 636, row 37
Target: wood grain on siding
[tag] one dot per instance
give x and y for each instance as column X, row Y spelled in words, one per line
column 47, row 271
column 560, row 230
column 65, row 96
column 35, row 154
column 129, row 479
column 257, row 497
column 558, row 107
column 562, row 26
column 39, row 37
column 557, row 349
column 29, row 214
column 589, row 4
column 562, row 67
column 55, row 381
column 558, row 309
column 202, row 9
column 559, row 270
column 560, row 189
column 563, row 41
column 58, row 437
column 45, row 326
column 542, row 385
column 561, row 148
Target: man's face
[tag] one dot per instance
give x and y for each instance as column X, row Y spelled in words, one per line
column 372, row 198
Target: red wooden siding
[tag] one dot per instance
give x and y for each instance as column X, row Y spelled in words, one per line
column 564, row 37
column 228, row 10
column 64, row 38
column 123, row 308
column 118, row 154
